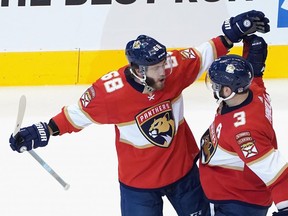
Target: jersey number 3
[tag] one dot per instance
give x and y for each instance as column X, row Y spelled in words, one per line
column 240, row 118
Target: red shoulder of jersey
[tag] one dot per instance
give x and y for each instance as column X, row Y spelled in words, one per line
column 219, row 47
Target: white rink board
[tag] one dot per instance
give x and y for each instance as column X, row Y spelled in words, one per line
column 88, row 26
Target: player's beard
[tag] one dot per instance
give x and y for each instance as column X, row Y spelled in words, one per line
column 151, row 82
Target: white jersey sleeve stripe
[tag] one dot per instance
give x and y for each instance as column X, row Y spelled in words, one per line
column 224, row 158
column 77, row 117
column 207, row 54
column 269, row 167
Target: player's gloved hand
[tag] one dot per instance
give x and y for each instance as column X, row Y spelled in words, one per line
column 255, row 51
column 30, row 137
column 246, row 23
column 280, row 213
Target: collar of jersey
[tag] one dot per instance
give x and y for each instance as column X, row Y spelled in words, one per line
column 137, row 86
column 227, row 109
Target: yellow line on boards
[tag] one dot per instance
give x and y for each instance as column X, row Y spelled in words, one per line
column 84, row 67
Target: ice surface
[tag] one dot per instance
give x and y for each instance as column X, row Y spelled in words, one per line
column 87, row 160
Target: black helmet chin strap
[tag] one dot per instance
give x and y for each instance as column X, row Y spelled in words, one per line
column 142, row 80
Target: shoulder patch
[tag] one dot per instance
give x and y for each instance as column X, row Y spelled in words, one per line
column 88, row 95
column 188, row 53
column 247, row 144
column 209, row 144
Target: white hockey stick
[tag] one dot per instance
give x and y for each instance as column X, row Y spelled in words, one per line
column 20, row 116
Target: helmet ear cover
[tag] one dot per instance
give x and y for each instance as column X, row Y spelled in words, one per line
column 232, row 71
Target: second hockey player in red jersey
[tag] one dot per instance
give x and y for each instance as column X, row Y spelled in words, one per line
column 241, row 169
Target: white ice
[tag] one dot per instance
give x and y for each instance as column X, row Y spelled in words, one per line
column 87, row 160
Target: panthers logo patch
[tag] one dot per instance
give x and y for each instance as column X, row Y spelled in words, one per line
column 209, row 144
column 157, row 124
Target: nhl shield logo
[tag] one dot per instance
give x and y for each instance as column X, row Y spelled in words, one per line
column 157, row 124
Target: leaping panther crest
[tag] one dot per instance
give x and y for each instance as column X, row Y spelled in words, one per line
column 163, row 127
column 157, row 124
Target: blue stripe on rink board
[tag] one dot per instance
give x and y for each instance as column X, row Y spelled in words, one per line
column 282, row 14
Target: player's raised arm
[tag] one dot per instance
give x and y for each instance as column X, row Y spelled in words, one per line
column 255, row 51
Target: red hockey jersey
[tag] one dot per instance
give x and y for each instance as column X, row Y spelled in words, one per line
column 155, row 146
column 239, row 156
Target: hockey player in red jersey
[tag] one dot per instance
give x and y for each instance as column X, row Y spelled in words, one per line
column 155, row 147
column 241, row 170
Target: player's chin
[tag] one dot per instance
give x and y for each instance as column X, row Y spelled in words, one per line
column 160, row 85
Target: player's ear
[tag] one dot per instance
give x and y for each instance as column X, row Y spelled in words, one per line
column 138, row 73
column 135, row 69
column 227, row 91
